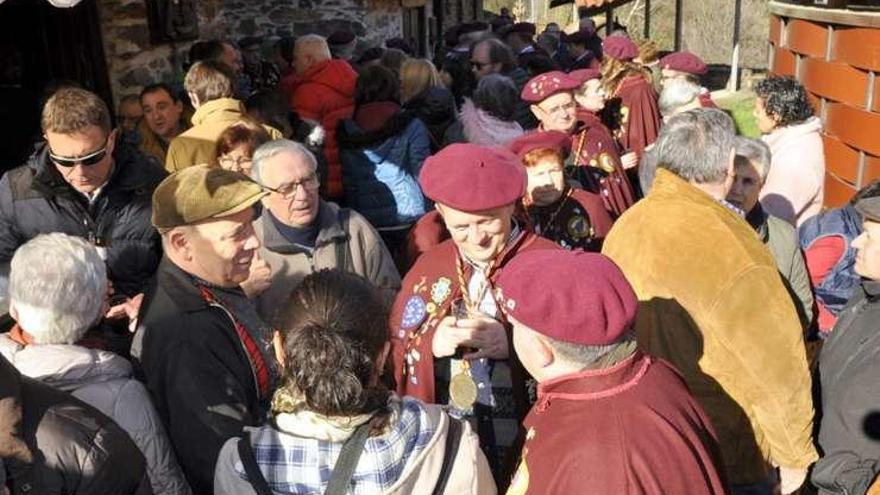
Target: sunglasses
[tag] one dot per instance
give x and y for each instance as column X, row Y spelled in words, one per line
column 86, row 160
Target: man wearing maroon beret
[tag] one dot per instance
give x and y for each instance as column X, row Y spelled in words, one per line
column 609, row 419
column 596, row 160
column 570, row 217
column 450, row 343
column 685, row 68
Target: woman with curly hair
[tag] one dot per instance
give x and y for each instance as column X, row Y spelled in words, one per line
column 336, row 427
column 795, row 187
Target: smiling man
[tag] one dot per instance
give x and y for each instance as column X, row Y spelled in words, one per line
column 164, row 119
column 301, row 233
column 450, row 342
column 84, row 182
column 201, row 348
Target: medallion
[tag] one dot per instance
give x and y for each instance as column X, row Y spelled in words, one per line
column 463, row 391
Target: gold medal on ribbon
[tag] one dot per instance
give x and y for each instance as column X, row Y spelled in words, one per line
column 463, row 391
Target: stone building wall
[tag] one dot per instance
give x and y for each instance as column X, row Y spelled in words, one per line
column 132, row 61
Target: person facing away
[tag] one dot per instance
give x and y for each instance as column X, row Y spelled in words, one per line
column 711, row 302
column 54, row 304
column 332, row 409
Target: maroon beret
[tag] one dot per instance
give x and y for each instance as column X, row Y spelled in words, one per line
column 540, row 140
column 584, row 75
column 543, row 86
column 473, row 178
column 570, row 296
column 620, row 47
column 684, row 62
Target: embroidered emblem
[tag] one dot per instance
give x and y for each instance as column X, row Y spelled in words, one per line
column 624, row 115
column 579, row 227
column 431, row 308
column 606, row 163
column 414, row 312
column 511, row 304
column 441, row 290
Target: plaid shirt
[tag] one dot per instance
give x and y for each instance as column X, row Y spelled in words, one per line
column 299, row 465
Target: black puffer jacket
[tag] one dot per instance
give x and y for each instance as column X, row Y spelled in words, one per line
column 35, row 199
column 53, row 444
column 435, row 107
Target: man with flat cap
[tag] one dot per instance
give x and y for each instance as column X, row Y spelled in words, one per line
column 450, row 344
column 609, row 418
column 200, row 346
column 595, row 162
column 686, row 68
column 849, row 366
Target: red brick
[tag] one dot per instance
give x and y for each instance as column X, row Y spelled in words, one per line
column 775, row 30
column 840, row 159
column 784, row 62
column 807, row 38
column 837, row 192
column 872, row 169
column 857, row 46
column 857, row 128
column 835, row 81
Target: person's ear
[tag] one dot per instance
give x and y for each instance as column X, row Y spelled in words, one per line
column 111, row 141
column 194, row 99
column 543, row 351
column 536, row 111
column 180, row 244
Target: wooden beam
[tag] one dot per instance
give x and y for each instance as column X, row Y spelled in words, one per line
column 678, row 23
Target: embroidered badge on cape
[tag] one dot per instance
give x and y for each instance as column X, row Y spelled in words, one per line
column 440, row 290
column 413, row 312
column 579, row 227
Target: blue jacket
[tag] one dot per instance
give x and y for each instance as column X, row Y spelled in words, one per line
column 380, row 169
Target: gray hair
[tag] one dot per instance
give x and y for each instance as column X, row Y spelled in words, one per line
column 647, row 170
column 497, row 95
column 755, row 151
column 57, row 287
column 581, row 356
column 696, row 145
column 677, row 94
column 272, row 148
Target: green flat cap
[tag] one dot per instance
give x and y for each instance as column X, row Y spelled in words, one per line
column 202, row 192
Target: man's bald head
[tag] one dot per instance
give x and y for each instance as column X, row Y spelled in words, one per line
column 309, row 50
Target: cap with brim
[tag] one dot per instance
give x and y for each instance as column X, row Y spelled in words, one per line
column 199, row 193
column 473, row 178
column 869, row 208
column 684, row 62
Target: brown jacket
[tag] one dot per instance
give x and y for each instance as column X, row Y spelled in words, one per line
column 712, row 302
column 342, row 233
column 196, row 145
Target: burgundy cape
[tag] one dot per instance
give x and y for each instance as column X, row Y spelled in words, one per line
column 578, row 220
column 630, row 429
column 594, row 148
column 639, row 120
column 424, row 299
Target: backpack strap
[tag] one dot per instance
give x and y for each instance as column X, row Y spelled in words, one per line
column 453, row 440
column 342, row 246
column 249, row 460
column 343, row 470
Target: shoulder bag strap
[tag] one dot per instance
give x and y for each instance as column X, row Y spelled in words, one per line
column 249, row 460
column 343, row 470
column 342, row 247
column 453, row 440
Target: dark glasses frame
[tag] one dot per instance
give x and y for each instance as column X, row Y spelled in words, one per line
column 86, row 160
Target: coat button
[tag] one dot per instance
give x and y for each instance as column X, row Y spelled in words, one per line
column 26, row 488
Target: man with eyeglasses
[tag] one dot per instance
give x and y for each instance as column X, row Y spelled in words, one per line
column 301, row 233
column 85, row 182
column 595, row 161
column 492, row 56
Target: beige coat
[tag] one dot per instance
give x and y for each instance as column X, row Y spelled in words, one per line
column 196, row 145
column 357, row 242
column 712, row 302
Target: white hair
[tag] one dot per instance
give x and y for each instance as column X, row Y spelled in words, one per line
column 57, row 286
column 755, row 151
column 272, row 148
column 676, row 95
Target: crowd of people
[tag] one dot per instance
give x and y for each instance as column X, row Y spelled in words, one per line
column 541, row 263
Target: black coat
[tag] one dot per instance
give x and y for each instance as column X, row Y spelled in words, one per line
column 35, row 199
column 196, row 370
column 63, row 446
column 435, row 107
column 849, row 370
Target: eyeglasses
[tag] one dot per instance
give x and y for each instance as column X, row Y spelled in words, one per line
column 86, row 160
column 560, row 109
column 231, row 163
column 310, row 183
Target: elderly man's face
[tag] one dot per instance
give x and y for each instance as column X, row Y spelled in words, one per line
column 867, row 246
column 73, row 155
column 480, row 236
column 546, row 181
column 481, row 63
column 293, row 178
column 222, row 248
column 162, row 113
column 557, row 112
column 746, row 185
column 669, row 75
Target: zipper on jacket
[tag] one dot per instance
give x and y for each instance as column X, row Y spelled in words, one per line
column 251, row 366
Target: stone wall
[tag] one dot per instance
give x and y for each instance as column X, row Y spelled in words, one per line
column 133, row 61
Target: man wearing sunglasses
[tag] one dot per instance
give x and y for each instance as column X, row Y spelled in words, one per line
column 82, row 181
column 301, row 233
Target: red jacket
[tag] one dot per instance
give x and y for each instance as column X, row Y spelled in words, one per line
column 630, row 429
column 325, row 93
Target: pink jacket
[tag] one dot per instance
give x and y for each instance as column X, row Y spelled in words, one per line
column 795, row 186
